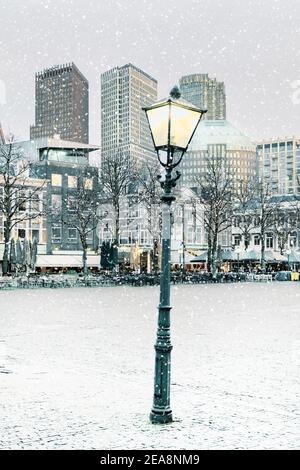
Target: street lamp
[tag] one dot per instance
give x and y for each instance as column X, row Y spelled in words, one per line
column 238, row 252
column 172, row 122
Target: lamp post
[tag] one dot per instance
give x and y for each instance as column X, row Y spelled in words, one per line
column 172, row 122
column 238, row 252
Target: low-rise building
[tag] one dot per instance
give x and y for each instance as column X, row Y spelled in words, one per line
column 138, row 230
column 282, row 227
column 61, row 164
column 32, row 224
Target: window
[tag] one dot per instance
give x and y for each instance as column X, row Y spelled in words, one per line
column 256, row 240
column 236, row 240
column 269, row 240
column 35, row 203
column 133, row 213
column 56, row 203
column 198, row 235
column 256, row 221
column 56, row 179
column 22, row 201
column 190, row 235
column 35, row 235
column 88, row 183
column 144, row 237
column 72, row 235
column 71, row 204
column 123, row 238
column 56, row 233
column 72, row 181
column 293, row 240
column 21, row 233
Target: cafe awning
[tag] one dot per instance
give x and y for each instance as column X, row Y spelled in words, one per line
column 66, row 261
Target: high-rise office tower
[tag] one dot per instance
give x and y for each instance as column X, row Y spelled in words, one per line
column 124, row 127
column 206, row 93
column 61, row 104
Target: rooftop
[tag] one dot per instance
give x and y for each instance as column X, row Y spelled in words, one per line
column 56, row 142
column 53, row 142
column 127, row 66
column 279, row 139
column 220, row 132
column 58, row 70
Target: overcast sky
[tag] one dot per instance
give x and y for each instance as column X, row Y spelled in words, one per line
column 253, row 46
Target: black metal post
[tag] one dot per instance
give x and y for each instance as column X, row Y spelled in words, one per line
column 161, row 411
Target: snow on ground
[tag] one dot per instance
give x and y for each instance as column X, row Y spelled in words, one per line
column 76, row 368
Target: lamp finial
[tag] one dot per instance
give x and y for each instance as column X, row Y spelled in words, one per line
column 175, row 92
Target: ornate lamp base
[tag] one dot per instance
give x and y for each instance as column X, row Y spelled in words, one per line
column 161, row 417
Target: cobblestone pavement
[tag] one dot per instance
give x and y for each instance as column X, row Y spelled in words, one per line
column 76, row 368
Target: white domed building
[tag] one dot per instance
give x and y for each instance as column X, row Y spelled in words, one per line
column 219, row 139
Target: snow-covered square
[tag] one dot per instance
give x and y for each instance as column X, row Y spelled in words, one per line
column 77, row 368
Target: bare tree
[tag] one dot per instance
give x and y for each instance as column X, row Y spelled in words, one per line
column 150, row 197
column 82, row 210
column 118, row 173
column 21, row 197
column 283, row 226
column 296, row 219
column 265, row 208
column 215, row 193
column 286, row 219
column 244, row 195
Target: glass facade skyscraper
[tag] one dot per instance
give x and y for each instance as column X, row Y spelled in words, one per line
column 206, row 93
column 124, row 127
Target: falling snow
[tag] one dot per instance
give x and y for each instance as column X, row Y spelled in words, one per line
column 252, row 46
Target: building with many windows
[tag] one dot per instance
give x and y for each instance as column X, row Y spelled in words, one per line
column 136, row 230
column 282, row 226
column 61, row 163
column 61, row 104
column 279, row 165
column 32, row 224
column 206, row 93
column 124, row 91
column 219, row 139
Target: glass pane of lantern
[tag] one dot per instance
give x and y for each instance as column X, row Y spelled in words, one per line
column 159, row 120
column 183, row 123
